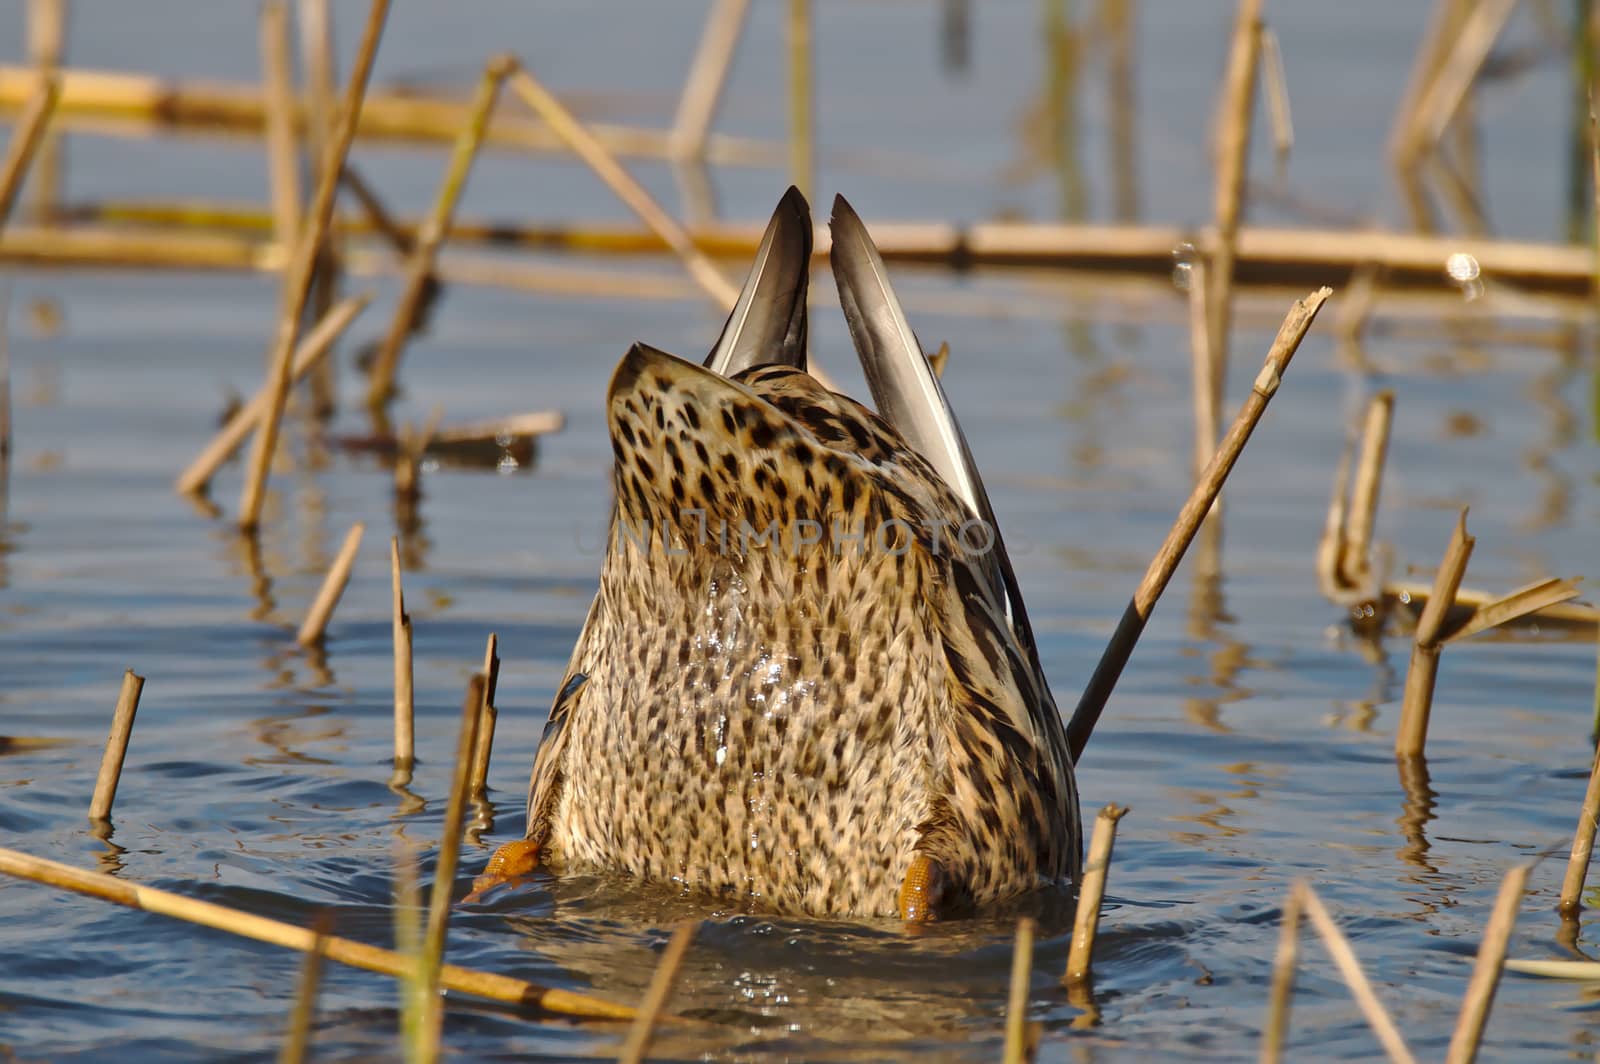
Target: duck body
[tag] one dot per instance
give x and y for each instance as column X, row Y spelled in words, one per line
column 801, row 685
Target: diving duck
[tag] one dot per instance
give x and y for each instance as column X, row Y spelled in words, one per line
column 807, row 683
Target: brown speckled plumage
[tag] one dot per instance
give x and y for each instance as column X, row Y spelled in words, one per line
column 793, row 719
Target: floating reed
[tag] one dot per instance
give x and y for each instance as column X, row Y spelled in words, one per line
column 1126, row 637
column 405, row 747
column 340, row 950
column 1284, row 964
column 708, row 74
column 605, row 165
column 656, row 994
column 444, row 878
column 297, row 281
column 478, row 786
column 278, row 88
column 1086, row 921
column 419, row 270
column 333, row 586
column 1233, row 153
column 1486, row 969
column 1344, row 957
column 25, row 140
column 298, row 1039
column 1016, row 1048
column 311, row 350
column 105, row 785
column 1582, row 844
column 1412, row 734
column 106, row 100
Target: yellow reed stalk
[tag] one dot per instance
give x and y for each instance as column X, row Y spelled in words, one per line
column 25, row 139
column 1486, row 969
column 1276, row 82
column 1115, row 657
column 278, row 78
column 1016, row 1048
column 105, row 785
column 708, row 74
column 1412, row 734
column 299, row 275
column 1582, row 844
column 656, row 994
column 1233, row 152
column 1086, row 921
column 1344, row 957
column 312, row 349
column 298, row 1040
column 333, row 586
column 405, row 743
column 488, row 985
column 1453, row 81
column 802, row 120
column 1355, row 563
column 1276, row 1031
column 488, row 715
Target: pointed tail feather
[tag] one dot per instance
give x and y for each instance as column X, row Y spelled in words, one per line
column 768, row 323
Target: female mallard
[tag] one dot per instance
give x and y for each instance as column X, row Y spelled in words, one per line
column 807, row 679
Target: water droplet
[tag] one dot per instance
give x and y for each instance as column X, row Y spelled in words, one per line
column 1405, row 598
column 503, row 439
column 507, row 464
column 430, row 465
column 1461, row 267
column 1183, row 257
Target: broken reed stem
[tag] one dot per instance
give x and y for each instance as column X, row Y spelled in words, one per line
column 333, row 586
column 302, row 266
column 1582, row 844
column 419, row 271
column 340, row 950
column 479, row 788
column 1016, row 1048
column 1284, row 964
column 605, row 165
column 1355, row 564
column 310, row 352
column 444, row 877
column 283, row 165
column 1207, row 403
column 657, row 993
column 1487, row 968
column 1126, row 637
column 1276, row 81
column 708, row 74
column 298, row 1039
column 1344, row 957
column 1086, row 921
column 802, row 120
column 105, row 785
column 404, row 734
column 1233, row 152
column 1411, row 737
column 25, row 138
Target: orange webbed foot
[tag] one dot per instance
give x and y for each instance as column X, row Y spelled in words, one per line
column 922, row 890
column 509, row 863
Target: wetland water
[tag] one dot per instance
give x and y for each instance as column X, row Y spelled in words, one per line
column 1251, row 735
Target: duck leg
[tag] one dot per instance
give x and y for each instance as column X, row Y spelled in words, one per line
column 507, row 864
column 922, row 890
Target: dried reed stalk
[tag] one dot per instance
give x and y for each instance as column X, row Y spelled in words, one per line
column 340, row 950
column 311, row 350
column 1233, row 153
column 708, row 74
column 47, row 36
column 278, row 78
column 1535, row 598
column 1016, row 1048
column 1115, row 657
column 107, row 101
column 402, row 240
column 105, row 785
column 298, row 1039
column 1450, row 85
column 405, row 744
column 419, row 270
column 333, row 586
column 1207, row 401
column 1582, row 844
column 1276, row 82
column 656, row 994
column 1086, row 921
column 1412, row 735
column 1486, row 969
column 1355, row 563
column 605, row 165
column 802, row 121
column 479, row 784
column 297, row 282
column 316, row 62
column 1331, row 544
column 444, row 878
column 1437, row 37
column 25, row 138
column 1345, row 958
column 1559, row 611
column 1284, row 964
